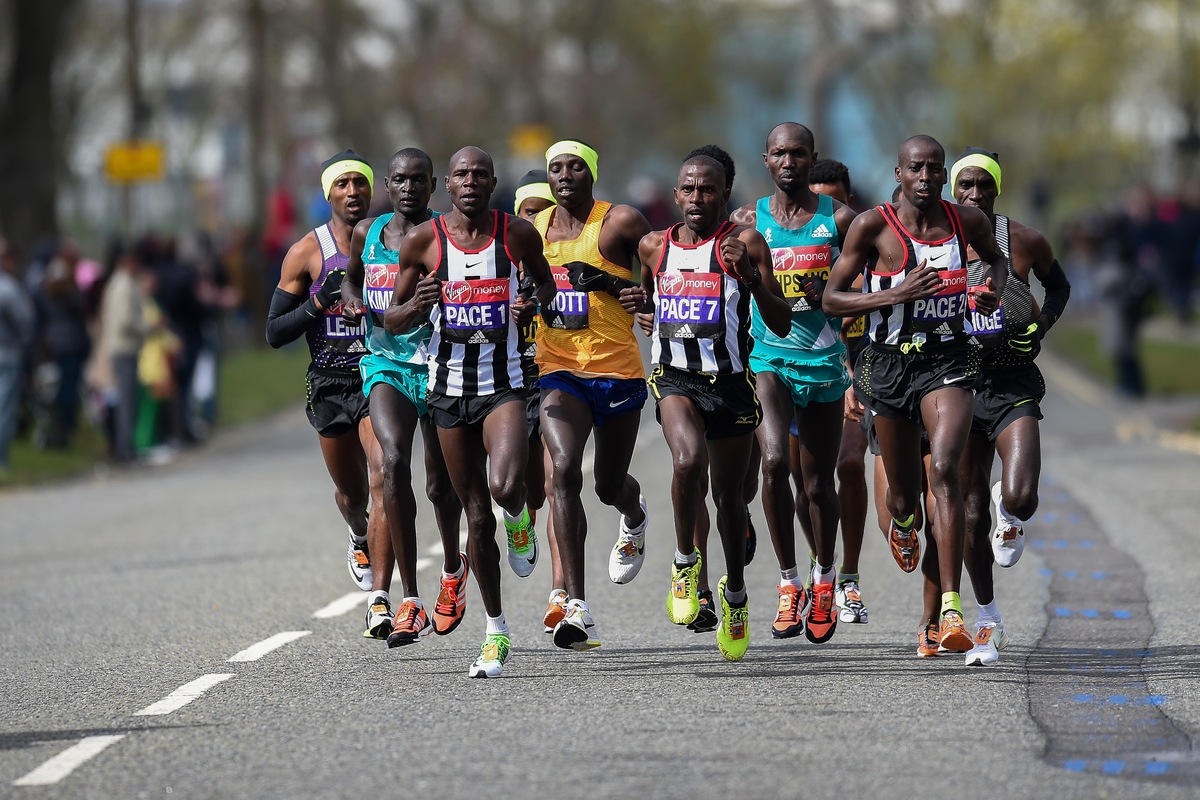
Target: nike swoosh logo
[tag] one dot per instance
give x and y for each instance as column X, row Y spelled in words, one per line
column 948, row 381
column 623, row 402
column 472, row 266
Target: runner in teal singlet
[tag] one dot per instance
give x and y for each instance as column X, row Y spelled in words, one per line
column 802, row 374
column 394, row 373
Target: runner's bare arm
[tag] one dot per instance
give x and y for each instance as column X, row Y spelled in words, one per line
column 623, row 228
column 862, row 240
column 747, row 215
column 748, row 253
column 1033, row 249
column 649, row 253
column 843, row 216
column 415, row 292
column 981, row 237
column 296, row 274
column 525, row 244
column 352, row 284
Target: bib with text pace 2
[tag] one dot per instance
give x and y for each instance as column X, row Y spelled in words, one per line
column 802, row 272
column 569, row 309
column 476, row 311
column 689, row 305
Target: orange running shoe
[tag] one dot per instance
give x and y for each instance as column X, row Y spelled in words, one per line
column 906, row 547
column 821, row 619
column 789, row 621
column 927, row 641
column 451, row 603
column 410, row 624
column 556, row 610
column 953, row 634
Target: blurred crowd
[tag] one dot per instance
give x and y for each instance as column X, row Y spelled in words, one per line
column 130, row 342
column 1124, row 263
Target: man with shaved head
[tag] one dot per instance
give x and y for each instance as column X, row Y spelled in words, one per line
column 701, row 275
column 461, row 269
column 916, row 370
column 802, row 374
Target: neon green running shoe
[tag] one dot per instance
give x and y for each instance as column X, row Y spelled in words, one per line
column 492, row 655
column 733, row 637
column 683, row 602
column 522, row 544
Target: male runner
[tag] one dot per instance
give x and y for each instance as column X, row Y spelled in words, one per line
column 461, row 269
column 802, row 373
column 916, row 368
column 1007, row 402
column 394, row 375
column 701, row 275
column 533, row 195
column 337, row 408
column 592, row 377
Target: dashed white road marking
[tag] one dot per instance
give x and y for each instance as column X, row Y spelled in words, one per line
column 67, row 761
column 183, row 695
column 353, row 601
column 256, row 651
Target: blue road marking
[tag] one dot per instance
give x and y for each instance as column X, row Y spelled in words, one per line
column 1061, row 544
column 1071, row 574
column 1062, row 612
column 1099, row 575
column 1156, row 767
column 1083, row 698
column 1045, row 572
column 1087, row 544
column 1113, row 767
column 1075, row 765
column 1073, row 519
column 1121, row 613
column 1050, row 516
column 1090, row 613
column 1157, row 699
column 1118, row 700
column 1039, row 543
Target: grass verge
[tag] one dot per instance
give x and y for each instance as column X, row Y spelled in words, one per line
column 1170, row 367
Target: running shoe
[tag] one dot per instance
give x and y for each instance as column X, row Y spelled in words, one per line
column 953, row 636
column 683, row 604
column 789, row 620
column 577, row 630
column 821, row 620
column 1008, row 541
column 451, row 603
column 751, row 538
column 493, row 654
column 522, row 544
column 850, row 605
column 411, row 623
column 706, row 620
column 927, row 641
column 629, row 552
column 358, row 561
column 379, row 617
column 990, row 639
column 555, row 610
column 733, row 635
column 906, row 546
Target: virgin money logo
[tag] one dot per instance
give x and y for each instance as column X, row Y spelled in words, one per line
column 457, row 292
column 671, row 283
column 377, row 276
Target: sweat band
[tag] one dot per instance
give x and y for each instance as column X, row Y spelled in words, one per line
column 339, row 168
column 976, row 160
column 574, row 148
column 529, row 190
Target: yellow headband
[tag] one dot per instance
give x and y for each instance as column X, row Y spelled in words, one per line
column 529, row 190
column 570, row 147
column 340, row 168
column 975, row 160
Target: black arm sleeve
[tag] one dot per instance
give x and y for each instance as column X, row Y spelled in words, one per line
column 289, row 316
column 1058, row 289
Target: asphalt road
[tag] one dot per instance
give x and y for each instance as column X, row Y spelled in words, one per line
column 116, row 593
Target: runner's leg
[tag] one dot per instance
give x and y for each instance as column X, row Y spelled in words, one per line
column 947, row 414
column 466, row 462
column 772, row 435
column 1020, row 446
column 347, row 465
column 379, row 537
column 852, row 493
column 447, row 510
column 566, row 426
column 395, row 422
column 820, row 440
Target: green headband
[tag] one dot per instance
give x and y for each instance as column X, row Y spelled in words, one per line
column 529, row 190
column 570, row 147
column 340, row 168
column 980, row 160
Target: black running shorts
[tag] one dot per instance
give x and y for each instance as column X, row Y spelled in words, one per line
column 1005, row 396
column 336, row 403
column 533, row 412
column 895, row 383
column 727, row 403
column 455, row 412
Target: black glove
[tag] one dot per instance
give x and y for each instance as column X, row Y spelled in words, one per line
column 587, row 278
column 1024, row 342
column 331, row 289
column 526, row 288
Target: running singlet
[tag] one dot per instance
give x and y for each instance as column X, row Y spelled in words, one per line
column 1012, row 316
column 939, row 320
column 801, row 260
column 701, row 312
column 379, row 282
column 474, row 346
column 332, row 344
column 586, row 333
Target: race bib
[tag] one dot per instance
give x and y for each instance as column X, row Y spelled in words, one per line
column 802, row 273
column 688, row 305
column 336, row 327
column 988, row 328
column 936, row 313
column 379, row 284
column 476, row 311
column 857, row 329
column 569, row 309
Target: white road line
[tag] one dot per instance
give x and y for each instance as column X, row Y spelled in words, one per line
column 343, row 605
column 183, row 695
column 67, row 761
column 256, row 651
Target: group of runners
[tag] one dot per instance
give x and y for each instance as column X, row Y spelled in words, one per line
column 791, row 333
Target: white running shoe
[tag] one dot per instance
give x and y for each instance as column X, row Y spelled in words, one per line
column 379, row 616
column 1008, row 540
column 493, row 654
column 577, row 630
column 522, row 544
column 849, row 602
column 990, row 639
column 358, row 562
column 629, row 552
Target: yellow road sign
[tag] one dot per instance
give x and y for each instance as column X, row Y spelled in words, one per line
column 134, row 162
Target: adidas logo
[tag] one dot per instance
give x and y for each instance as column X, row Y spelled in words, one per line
column 943, row 329
column 685, row 332
column 558, row 323
column 801, row 305
column 356, row 347
column 477, row 338
column 822, row 231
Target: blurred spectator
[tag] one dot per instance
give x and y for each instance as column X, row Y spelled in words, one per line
column 122, row 330
column 16, row 335
column 654, row 204
column 156, row 375
column 1177, row 236
column 64, row 338
column 1123, row 282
